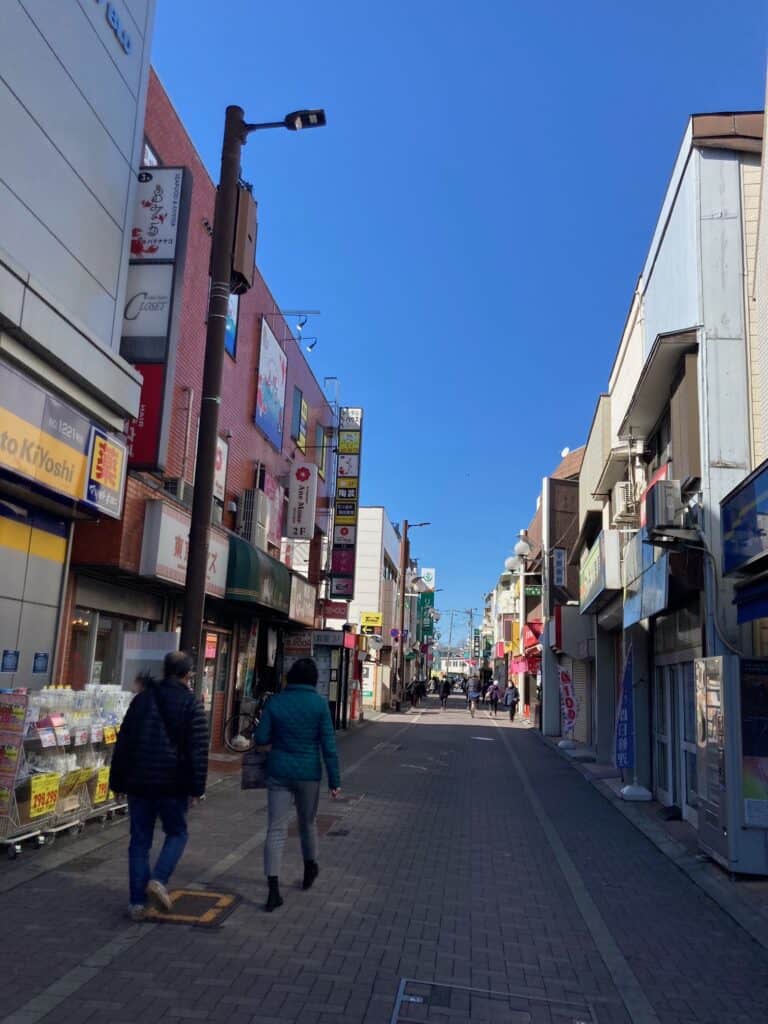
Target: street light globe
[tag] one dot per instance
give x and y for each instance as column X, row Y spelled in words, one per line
column 512, row 564
column 523, row 548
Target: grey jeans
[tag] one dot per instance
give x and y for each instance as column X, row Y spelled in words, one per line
column 281, row 794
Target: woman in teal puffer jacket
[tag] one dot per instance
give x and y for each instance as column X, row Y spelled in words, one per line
column 296, row 728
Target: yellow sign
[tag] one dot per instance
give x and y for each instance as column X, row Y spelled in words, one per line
column 349, row 441
column 102, row 786
column 44, row 794
column 371, row 619
column 110, row 734
column 28, row 450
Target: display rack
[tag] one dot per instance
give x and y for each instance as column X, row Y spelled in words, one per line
column 55, row 748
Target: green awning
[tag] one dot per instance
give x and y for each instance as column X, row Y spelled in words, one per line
column 255, row 576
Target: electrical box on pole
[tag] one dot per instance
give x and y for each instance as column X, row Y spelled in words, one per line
column 244, row 247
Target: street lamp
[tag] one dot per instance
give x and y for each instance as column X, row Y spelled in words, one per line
column 236, row 132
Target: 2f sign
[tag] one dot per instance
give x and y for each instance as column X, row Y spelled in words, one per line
column 115, row 22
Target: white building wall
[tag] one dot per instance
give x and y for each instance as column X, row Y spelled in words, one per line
column 759, row 349
column 627, row 368
column 72, row 102
column 750, row 200
column 368, row 563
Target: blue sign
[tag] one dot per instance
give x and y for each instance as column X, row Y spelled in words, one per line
column 625, row 720
column 646, row 579
column 10, row 661
column 744, row 513
column 40, row 662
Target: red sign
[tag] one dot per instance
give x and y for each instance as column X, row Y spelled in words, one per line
column 499, row 648
column 531, row 634
column 144, row 431
column 335, row 609
column 343, row 562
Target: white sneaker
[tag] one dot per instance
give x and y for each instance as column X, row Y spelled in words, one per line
column 160, row 893
column 136, row 911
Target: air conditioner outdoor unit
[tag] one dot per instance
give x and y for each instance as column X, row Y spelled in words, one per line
column 179, row 488
column 626, row 511
column 663, row 506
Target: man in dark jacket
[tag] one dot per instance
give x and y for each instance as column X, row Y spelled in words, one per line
column 296, row 728
column 160, row 762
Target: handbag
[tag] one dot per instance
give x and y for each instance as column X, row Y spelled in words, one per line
column 254, row 770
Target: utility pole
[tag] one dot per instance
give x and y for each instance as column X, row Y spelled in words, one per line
column 210, row 401
column 236, row 131
column 401, row 624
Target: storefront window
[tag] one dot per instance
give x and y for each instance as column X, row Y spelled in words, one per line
column 96, row 648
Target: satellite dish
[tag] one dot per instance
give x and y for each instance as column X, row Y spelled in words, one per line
column 564, row 452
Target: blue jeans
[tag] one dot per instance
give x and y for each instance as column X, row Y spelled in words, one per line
column 281, row 795
column 144, row 811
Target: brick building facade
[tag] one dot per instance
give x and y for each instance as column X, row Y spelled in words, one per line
column 110, row 592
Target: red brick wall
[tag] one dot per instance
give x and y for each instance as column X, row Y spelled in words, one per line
column 173, row 146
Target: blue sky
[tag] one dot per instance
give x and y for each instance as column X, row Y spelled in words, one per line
column 471, row 222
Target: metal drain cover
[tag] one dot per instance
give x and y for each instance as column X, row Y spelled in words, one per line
column 425, row 1001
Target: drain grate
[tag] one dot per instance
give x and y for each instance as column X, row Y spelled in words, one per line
column 425, row 1001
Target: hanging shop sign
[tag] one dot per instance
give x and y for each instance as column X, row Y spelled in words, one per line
column 302, row 501
column 335, row 610
column 743, row 513
column 428, row 578
column 600, row 573
column 625, row 719
column 569, row 708
column 165, row 548
column 347, row 503
column 559, row 567
column 47, row 442
column 425, row 618
column 303, row 601
column 155, row 226
column 151, row 312
column 270, row 390
column 220, row 471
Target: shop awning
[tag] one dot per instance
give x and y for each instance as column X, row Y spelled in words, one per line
column 255, row 576
column 751, row 601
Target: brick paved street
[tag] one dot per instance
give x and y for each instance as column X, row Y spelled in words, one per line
column 472, row 875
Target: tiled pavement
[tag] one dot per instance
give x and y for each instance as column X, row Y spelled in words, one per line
column 472, row 876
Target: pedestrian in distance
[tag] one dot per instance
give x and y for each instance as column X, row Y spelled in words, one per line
column 295, row 729
column 160, row 763
column 445, row 692
column 511, row 700
column 493, row 696
column 474, row 692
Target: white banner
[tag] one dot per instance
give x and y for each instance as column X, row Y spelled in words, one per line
column 220, row 476
column 428, row 578
column 302, row 502
column 569, row 709
column 156, row 217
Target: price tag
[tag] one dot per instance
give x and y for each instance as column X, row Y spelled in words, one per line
column 81, row 737
column 102, row 786
column 47, row 737
column 12, row 714
column 63, row 737
column 44, row 794
column 97, row 734
column 110, row 734
column 86, row 774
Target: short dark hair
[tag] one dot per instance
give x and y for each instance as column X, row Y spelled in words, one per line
column 178, row 663
column 303, row 672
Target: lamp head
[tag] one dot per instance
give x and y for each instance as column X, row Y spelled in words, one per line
column 300, row 119
column 523, row 548
column 512, row 564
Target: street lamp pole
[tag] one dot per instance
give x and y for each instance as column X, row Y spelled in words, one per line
column 236, row 132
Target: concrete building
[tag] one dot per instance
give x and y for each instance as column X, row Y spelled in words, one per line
column 678, row 428
column 73, row 80
column 376, row 592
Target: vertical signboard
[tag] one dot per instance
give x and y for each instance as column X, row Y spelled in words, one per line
column 152, row 302
column 346, row 503
column 302, row 502
column 270, row 388
column 625, row 719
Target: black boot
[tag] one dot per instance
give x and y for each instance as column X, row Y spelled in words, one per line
column 311, row 871
column 274, row 899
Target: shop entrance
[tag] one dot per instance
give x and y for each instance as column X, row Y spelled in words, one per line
column 674, row 730
column 217, row 645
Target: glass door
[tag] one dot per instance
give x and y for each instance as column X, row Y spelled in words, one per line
column 686, row 762
column 663, row 732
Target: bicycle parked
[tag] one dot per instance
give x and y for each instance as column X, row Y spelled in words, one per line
column 240, row 727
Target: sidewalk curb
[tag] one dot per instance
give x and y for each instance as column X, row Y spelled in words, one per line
column 701, row 872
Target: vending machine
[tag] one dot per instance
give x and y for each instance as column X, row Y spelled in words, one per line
column 732, row 761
